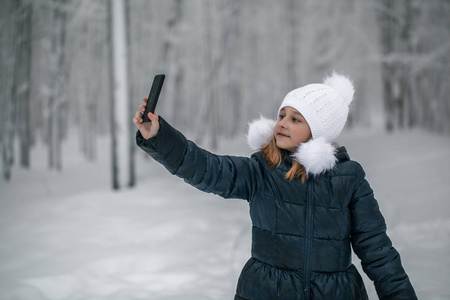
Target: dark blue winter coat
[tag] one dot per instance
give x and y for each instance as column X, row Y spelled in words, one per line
column 302, row 233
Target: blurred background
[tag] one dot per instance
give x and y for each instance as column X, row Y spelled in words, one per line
column 226, row 62
column 72, row 76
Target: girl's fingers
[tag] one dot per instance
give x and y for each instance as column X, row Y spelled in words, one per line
column 138, row 116
column 153, row 117
column 144, row 99
column 136, row 122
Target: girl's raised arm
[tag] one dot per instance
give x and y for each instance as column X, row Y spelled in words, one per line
column 226, row 176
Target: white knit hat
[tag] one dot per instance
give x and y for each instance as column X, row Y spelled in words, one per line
column 325, row 107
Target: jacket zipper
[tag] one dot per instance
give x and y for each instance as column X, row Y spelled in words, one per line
column 309, row 237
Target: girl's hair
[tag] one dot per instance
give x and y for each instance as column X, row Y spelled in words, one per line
column 275, row 156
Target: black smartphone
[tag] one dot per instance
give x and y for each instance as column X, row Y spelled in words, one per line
column 153, row 96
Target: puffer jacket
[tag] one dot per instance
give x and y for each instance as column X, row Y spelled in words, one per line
column 301, row 233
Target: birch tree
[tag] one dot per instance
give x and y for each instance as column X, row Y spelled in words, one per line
column 56, row 109
column 130, row 95
column 119, row 98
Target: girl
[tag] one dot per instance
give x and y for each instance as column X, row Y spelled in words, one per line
column 309, row 203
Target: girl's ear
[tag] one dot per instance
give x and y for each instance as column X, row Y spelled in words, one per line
column 260, row 131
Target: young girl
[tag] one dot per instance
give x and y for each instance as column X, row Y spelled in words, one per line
column 309, row 203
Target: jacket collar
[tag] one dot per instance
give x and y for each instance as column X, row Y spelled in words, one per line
column 342, row 154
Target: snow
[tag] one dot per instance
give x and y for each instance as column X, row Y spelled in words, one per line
column 69, row 236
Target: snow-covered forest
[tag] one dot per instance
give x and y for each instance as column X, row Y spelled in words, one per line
column 75, row 221
column 225, row 61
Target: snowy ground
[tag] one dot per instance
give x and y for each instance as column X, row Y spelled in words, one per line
column 68, row 236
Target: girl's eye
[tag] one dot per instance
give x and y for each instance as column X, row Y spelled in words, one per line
column 295, row 120
column 281, row 117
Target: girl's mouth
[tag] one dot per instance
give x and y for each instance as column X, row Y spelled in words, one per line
column 279, row 134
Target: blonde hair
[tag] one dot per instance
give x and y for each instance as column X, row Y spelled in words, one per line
column 275, row 156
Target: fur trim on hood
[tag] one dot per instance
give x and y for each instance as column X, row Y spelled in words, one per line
column 316, row 155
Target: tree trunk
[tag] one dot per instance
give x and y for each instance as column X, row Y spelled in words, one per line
column 131, row 127
column 211, row 80
column 9, row 32
column 293, row 15
column 386, row 24
column 56, row 101
column 119, row 101
column 112, row 116
column 22, row 80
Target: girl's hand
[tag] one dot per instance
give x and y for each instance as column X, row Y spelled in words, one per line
column 147, row 129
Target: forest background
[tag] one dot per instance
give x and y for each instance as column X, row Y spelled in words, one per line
column 85, row 214
column 82, row 67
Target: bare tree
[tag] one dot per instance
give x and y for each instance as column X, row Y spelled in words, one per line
column 170, row 60
column 293, row 13
column 230, row 100
column 119, row 98
column 211, row 72
column 130, row 95
column 415, row 63
column 17, row 101
column 112, row 108
column 9, row 36
column 22, row 79
column 56, row 101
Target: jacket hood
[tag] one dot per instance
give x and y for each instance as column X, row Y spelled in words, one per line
column 317, row 155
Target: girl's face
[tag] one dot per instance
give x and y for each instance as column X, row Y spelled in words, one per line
column 291, row 129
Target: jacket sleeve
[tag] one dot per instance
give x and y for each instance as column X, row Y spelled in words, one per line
column 380, row 260
column 226, row 176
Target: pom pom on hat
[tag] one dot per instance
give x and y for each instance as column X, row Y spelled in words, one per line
column 342, row 84
column 260, row 131
column 316, row 156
